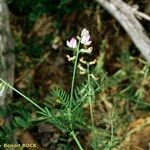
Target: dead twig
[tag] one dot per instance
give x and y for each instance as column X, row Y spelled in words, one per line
column 126, row 16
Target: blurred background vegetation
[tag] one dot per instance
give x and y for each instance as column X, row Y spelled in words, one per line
column 40, row 29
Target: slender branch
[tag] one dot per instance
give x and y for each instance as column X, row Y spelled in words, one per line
column 140, row 14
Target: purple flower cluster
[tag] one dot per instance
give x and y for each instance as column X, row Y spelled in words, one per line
column 85, row 39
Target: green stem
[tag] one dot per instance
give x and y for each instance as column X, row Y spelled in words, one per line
column 112, row 131
column 73, row 78
column 74, row 74
column 72, row 84
column 11, row 87
column 89, row 97
column 71, row 96
column 91, row 113
column 76, row 140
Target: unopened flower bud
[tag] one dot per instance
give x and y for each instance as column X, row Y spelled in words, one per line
column 88, row 51
column 82, row 69
column 78, row 38
column 92, row 62
column 83, row 61
column 70, row 58
column 95, row 78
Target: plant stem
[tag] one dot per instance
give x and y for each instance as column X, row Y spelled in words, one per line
column 89, row 97
column 72, row 84
column 91, row 113
column 74, row 74
column 71, row 96
column 11, row 87
column 73, row 78
column 76, row 140
column 112, row 131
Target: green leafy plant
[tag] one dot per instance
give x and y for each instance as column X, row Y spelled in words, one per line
column 67, row 118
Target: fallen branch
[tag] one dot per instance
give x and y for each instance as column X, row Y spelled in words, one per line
column 126, row 16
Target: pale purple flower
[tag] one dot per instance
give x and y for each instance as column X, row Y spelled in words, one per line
column 85, row 37
column 72, row 43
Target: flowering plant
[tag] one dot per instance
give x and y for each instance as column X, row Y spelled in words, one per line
column 72, row 104
column 87, row 90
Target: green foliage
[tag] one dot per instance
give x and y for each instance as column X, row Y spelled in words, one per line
column 64, row 97
column 14, row 119
column 62, row 119
column 108, row 139
column 84, row 91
